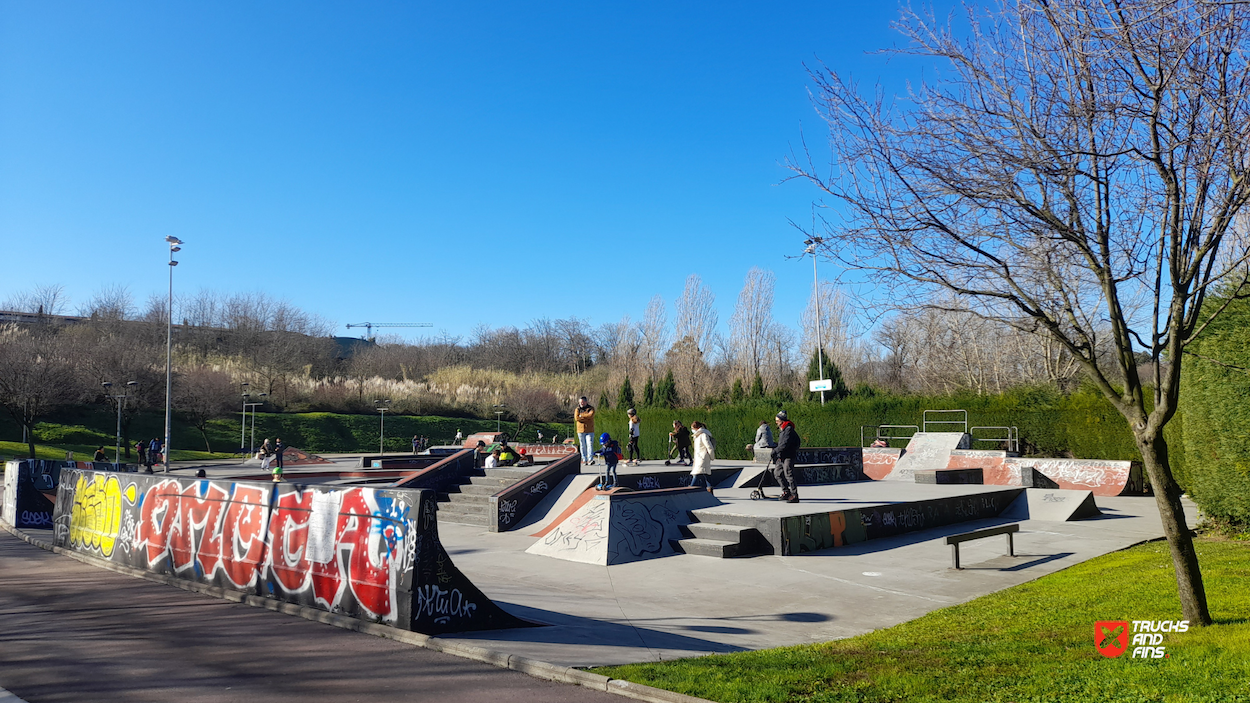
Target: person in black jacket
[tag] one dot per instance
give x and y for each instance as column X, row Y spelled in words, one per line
column 783, row 457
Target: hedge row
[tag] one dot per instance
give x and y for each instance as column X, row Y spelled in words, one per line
column 1215, row 416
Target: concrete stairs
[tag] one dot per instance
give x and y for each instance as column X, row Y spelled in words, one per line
column 470, row 502
column 714, row 539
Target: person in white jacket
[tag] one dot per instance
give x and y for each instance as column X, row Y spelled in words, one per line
column 704, row 454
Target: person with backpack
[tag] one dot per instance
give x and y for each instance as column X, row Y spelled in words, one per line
column 704, row 454
column 610, row 450
column 783, row 456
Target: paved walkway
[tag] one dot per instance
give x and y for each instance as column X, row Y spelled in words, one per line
column 72, row 632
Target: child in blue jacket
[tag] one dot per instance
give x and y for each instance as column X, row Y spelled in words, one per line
column 610, row 449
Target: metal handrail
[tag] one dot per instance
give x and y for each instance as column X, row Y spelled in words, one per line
column 926, row 421
column 887, row 437
column 1012, row 439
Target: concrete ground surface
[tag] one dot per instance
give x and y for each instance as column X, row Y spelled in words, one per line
column 685, row 605
column 73, row 632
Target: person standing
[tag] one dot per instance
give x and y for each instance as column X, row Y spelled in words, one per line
column 416, row 444
column 584, row 424
column 681, row 439
column 278, row 448
column 763, row 438
column 704, row 454
column 783, row 457
column 459, row 437
column 611, row 451
column 99, row 456
column 142, row 452
column 266, row 455
column 635, row 436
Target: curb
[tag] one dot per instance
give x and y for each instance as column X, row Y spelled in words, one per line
column 530, row 667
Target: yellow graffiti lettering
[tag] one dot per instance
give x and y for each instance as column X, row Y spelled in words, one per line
column 95, row 518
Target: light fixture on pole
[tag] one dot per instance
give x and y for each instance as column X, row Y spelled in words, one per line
column 174, row 243
column 381, row 406
column 108, row 386
column 243, row 420
column 820, row 343
column 498, row 414
column 252, row 447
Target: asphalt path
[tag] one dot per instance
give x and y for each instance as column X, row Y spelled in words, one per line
column 72, row 632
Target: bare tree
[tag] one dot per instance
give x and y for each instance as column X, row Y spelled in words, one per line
column 34, row 377
column 752, row 323
column 47, row 299
column 654, row 333
column 110, row 302
column 530, row 404
column 203, row 394
column 1077, row 171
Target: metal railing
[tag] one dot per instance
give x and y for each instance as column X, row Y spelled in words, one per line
column 963, row 423
column 1012, row 439
column 886, row 435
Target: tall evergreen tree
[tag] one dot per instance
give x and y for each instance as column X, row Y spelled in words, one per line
column 603, row 400
column 625, row 399
column 757, row 387
column 832, row 373
column 666, row 392
column 737, row 394
column 648, row 394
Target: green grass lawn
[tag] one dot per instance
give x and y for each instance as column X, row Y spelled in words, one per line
column 1032, row 642
column 84, row 452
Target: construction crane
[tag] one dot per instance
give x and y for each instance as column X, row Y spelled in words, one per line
column 370, row 325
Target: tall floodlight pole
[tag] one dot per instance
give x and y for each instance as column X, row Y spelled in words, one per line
column 381, row 405
column 820, row 343
column 174, row 243
column 498, row 414
column 252, row 447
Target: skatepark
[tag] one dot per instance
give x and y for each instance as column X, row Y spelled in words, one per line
column 536, row 563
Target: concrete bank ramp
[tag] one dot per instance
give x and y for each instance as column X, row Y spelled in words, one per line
column 927, row 451
column 368, row 553
column 623, row 526
column 1056, row 505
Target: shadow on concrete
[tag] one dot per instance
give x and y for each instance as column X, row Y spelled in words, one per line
column 1006, row 563
column 571, row 630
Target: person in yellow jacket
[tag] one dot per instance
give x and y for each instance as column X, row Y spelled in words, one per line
column 584, row 425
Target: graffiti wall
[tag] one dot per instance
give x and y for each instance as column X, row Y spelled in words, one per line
column 369, row 553
column 27, row 485
column 618, row 528
column 808, row 533
column 1104, row 477
column 510, row 506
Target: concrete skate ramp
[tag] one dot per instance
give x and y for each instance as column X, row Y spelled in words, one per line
column 623, row 526
column 1056, row 505
column 880, row 461
column 1105, row 477
column 368, row 553
column 927, row 451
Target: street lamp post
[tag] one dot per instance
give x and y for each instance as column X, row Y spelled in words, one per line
column 108, row 386
column 252, row 447
column 820, row 344
column 498, row 414
column 381, row 405
column 243, row 421
column 174, row 243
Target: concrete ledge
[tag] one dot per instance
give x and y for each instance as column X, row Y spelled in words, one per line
column 530, row 667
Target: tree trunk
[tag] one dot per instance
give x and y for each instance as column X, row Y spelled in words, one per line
column 1193, row 595
column 30, row 439
column 204, row 434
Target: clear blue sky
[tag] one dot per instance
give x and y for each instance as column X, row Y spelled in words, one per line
column 456, row 163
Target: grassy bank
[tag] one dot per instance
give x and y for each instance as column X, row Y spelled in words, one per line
column 1033, row 642
column 81, row 430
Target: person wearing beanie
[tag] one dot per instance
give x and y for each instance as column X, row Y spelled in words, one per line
column 783, row 456
column 635, row 436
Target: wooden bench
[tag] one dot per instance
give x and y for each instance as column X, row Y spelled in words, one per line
column 955, row 540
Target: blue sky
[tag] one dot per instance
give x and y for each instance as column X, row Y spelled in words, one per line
column 453, row 163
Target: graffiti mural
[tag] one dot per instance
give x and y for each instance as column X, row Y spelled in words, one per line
column 368, row 553
column 511, row 505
